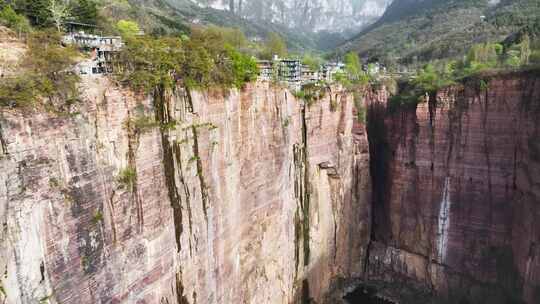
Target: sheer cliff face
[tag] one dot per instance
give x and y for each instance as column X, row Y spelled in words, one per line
column 328, row 15
column 244, row 198
column 457, row 195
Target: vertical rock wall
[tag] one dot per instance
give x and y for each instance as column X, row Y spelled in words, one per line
column 242, row 198
column 266, row 189
column 71, row 231
column 457, row 195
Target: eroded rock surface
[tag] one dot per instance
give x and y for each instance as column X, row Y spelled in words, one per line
column 457, row 194
column 244, row 198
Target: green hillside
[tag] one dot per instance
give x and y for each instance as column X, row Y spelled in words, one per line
column 413, row 31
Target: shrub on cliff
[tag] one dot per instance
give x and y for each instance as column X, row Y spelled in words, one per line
column 429, row 80
column 353, row 76
column 85, row 11
column 127, row 28
column 201, row 61
column 244, row 67
column 146, row 62
column 425, row 85
column 45, row 73
column 127, row 178
column 37, row 11
column 311, row 92
column 18, row 23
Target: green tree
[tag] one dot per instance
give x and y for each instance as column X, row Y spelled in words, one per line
column 37, row 11
column 204, row 60
column 429, row 79
column 352, row 63
column 85, row 11
column 244, row 67
column 513, row 58
column 525, row 49
column 59, row 12
column 44, row 73
column 232, row 36
column 312, row 61
column 499, row 48
column 485, row 54
column 353, row 68
column 275, row 45
column 150, row 62
column 16, row 22
column 127, row 28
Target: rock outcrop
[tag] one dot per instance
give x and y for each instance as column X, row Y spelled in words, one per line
column 237, row 197
column 457, row 194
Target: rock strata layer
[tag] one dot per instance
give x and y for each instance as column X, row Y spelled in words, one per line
column 457, row 193
column 242, row 197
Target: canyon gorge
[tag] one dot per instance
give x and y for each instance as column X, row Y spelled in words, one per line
column 256, row 196
column 246, row 197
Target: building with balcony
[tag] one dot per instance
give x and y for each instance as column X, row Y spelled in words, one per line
column 266, row 70
column 309, row 75
column 102, row 49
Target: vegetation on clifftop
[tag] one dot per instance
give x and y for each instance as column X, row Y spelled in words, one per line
column 208, row 57
column 203, row 60
column 415, row 32
column 44, row 73
column 480, row 58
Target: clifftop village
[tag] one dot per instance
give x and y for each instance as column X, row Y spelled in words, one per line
column 289, row 71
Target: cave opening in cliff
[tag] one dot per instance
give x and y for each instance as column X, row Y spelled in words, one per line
column 365, row 295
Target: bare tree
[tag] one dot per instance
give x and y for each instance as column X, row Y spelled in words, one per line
column 525, row 49
column 59, row 12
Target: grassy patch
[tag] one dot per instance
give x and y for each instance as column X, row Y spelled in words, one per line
column 127, row 177
column 98, row 217
column 44, row 74
column 140, row 124
column 310, row 93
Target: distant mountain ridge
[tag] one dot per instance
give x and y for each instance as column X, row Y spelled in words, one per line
column 173, row 16
column 317, row 25
column 304, row 15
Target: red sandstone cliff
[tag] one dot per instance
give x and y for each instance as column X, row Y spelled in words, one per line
column 457, row 194
column 243, row 198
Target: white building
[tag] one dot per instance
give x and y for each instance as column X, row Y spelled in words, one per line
column 308, row 75
column 102, row 51
column 329, row 70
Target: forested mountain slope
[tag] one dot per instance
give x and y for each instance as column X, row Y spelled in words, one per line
column 414, row 30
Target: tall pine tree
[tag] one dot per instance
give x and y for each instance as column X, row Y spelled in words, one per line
column 85, row 11
column 37, row 11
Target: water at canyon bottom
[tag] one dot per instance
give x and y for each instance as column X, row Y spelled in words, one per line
column 365, row 295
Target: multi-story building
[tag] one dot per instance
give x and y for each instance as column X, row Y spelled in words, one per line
column 329, row 70
column 102, row 50
column 290, row 70
column 295, row 74
column 284, row 70
column 266, row 70
column 308, row 75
